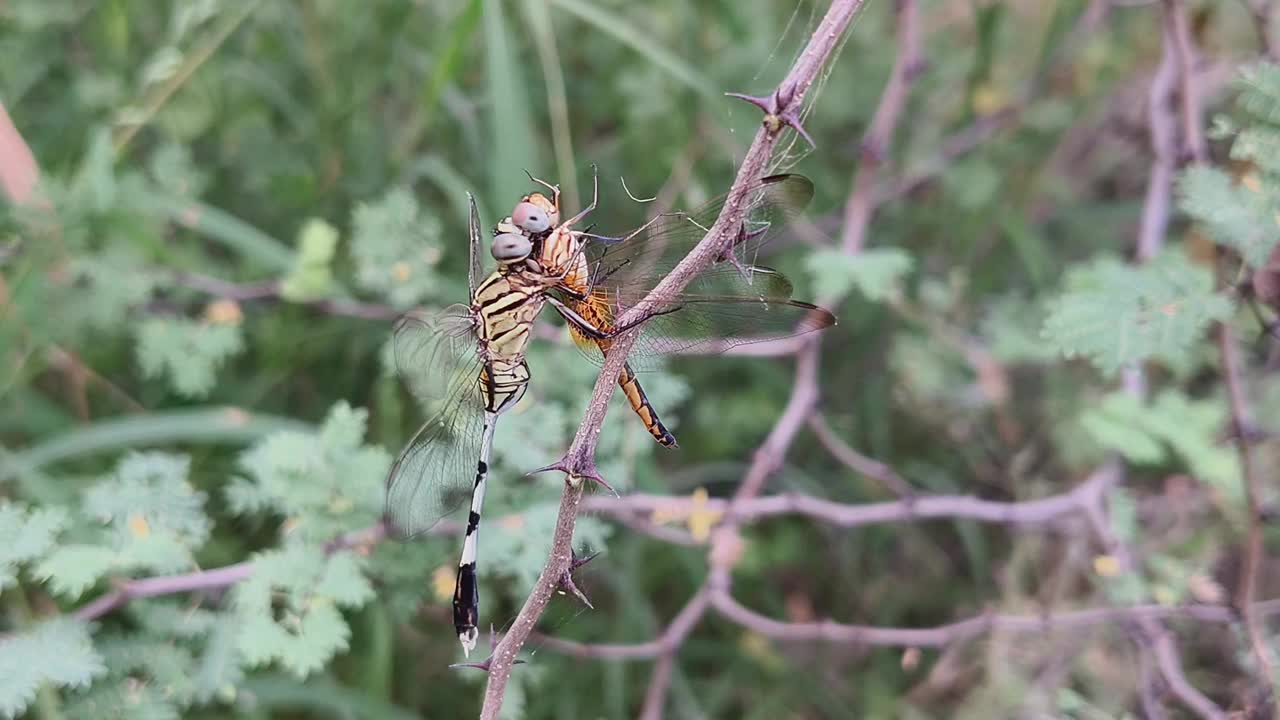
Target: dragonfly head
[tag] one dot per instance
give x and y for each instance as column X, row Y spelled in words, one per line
column 535, row 214
column 509, row 247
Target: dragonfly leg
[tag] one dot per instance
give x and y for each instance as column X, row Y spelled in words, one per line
column 595, row 194
column 594, row 332
column 555, row 189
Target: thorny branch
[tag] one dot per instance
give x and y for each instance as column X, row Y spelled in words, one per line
column 783, row 107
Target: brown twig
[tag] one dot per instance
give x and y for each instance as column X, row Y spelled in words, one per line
column 782, row 109
column 1263, row 12
column 271, row 290
column 879, row 136
column 856, row 461
column 208, row 579
column 939, row 636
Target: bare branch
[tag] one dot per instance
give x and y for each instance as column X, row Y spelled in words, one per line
column 939, row 636
column 856, row 461
column 879, row 136
column 271, row 290
column 920, row 507
column 209, row 579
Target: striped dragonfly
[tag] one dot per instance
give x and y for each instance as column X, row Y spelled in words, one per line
column 467, row 362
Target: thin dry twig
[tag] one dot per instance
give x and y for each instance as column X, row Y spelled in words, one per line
column 939, row 636
column 212, row 579
column 782, row 109
column 879, row 136
column 271, row 290
column 856, row 461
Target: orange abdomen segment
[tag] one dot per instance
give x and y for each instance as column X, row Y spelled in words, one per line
column 597, row 311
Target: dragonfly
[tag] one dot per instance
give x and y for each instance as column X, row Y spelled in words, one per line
column 467, row 363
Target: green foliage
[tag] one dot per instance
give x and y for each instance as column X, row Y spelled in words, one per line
column 396, row 247
column 1236, row 216
column 875, row 273
column 143, row 517
column 289, row 608
column 312, row 274
column 325, row 482
column 58, row 652
column 187, row 352
column 1147, row 433
column 1119, row 315
column 25, row 536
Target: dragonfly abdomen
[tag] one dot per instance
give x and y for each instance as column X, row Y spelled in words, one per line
column 630, row 385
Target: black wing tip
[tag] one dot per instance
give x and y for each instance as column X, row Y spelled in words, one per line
column 800, row 181
column 819, row 317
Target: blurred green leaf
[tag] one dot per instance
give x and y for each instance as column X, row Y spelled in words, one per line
column 396, row 248
column 26, row 536
column 58, row 652
column 200, row 425
column 874, row 273
column 1118, row 315
column 312, row 274
column 1235, row 216
column 187, row 352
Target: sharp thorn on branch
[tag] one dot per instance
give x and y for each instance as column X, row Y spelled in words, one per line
column 558, row 466
column 768, row 105
column 568, row 585
column 577, row 561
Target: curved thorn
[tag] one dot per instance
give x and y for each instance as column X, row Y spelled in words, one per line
column 768, row 105
column 792, row 118
column 567, row 583
column 577, row 562
column 558, row 466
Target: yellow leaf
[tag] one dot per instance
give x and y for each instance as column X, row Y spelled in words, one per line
column 442, row 582
column 138, row 526
column 1251, row 182
column 1106, row 565
column 223, row 312
column 702, row 518
column 988, row 99
column 401, row 271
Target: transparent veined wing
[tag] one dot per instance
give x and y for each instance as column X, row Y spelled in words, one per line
column 732, row 306
column 475, row 238
column 642, row 257
column 734, row 302
column 437, row 355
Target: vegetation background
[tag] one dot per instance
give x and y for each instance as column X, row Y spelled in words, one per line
column 214, row 211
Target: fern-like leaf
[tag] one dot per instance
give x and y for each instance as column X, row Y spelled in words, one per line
column 1118, row 314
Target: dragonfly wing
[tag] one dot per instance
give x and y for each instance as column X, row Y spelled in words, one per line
column 429, row 348
column 736, row 306
column 475, row 241
column 437, row 356
column 642, row 258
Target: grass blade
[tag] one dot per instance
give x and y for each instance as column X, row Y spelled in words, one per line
column 511, row 130
column 627, row 34
column 214, row 425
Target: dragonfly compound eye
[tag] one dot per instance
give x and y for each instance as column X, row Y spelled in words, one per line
column 531, row 218
column 511, row 247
